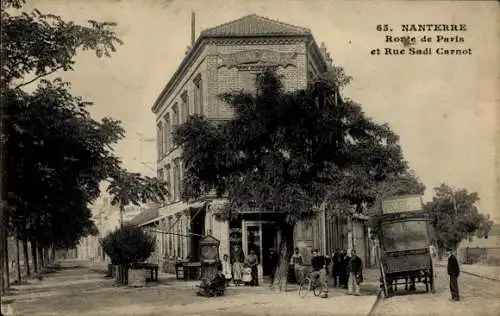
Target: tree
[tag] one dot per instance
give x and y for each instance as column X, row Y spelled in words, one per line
column 291, row 153
column 58, row 154
column 127, row 246
column 455, row 216
column 132, row 188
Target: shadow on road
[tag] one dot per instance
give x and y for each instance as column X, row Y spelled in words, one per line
column 406, row 293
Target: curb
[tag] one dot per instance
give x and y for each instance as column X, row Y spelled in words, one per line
column 375, row 304
column 480, row 276
column 473, row 274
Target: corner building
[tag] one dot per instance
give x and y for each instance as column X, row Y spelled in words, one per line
column 223, row 59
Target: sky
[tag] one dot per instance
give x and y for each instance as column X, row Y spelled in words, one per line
column 443, row 107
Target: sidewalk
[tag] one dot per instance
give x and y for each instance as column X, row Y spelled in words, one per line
column 80, row 288
column 482, row 271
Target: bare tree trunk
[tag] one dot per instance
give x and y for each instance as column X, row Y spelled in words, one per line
column 40, row 258
column 281, row 275
column 45, row 257
column 26, row 256
column 18, row 261
column 6, row 260
column 2, row 262
column 33, row 255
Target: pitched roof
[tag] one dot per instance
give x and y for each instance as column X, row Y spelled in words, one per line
column 253, row 25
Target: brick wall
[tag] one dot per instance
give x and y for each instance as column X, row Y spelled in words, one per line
column 226, row 80
column 219, row 80
column 216, row 81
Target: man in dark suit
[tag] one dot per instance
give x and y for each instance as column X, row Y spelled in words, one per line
column 273, row 263
column 344, row 269
column 337, row 268
column 453, row 272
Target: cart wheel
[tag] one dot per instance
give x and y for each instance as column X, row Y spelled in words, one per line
column 383, row 282
column 305, row 287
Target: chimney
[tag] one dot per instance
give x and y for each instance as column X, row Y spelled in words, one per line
column 193, row 28
column 323, row 49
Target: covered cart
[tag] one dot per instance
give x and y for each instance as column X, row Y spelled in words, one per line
column 405, row 240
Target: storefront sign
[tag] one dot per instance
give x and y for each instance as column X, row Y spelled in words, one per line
column 235, row 235
column 256, row 59
column 402, row 205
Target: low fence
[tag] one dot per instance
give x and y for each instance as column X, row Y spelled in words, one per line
column 479, row 255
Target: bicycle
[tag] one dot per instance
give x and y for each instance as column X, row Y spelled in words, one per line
column 309, row 283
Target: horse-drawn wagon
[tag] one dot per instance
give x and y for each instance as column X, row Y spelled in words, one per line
column 405, row 242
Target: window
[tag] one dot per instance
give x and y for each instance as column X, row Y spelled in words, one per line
column 168, row 180
column 159, row 140
column 185, row 106
column 249, row 80
column 406, row 235
column 198, row 95
column 175, row 115
column 178, row 252
column 161, row 175
column 170, row 237
column 177, row 180
column 167, row 132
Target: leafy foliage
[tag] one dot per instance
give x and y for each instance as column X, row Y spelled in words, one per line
column 455, row 216
column 132, row 188
column 40, row 44
column 128, row 245
column 58, row 154
column 289, row 152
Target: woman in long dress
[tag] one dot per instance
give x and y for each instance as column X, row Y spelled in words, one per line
column 226, row 269
column 237, row 260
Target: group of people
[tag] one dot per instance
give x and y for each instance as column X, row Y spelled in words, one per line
column 346, row 271
column 240, row 270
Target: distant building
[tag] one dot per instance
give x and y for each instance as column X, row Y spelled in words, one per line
column 228, row 58
column 107, row 218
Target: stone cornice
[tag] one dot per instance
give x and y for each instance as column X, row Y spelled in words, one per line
column 201, row 42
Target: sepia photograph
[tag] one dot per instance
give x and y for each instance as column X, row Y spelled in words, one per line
column 249, row 157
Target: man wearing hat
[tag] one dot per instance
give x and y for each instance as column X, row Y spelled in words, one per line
column 453, row 272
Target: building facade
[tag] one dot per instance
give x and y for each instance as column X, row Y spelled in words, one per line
column 228, row 58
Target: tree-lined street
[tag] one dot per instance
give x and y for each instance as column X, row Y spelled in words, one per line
column 80, row 288
column 295, row 155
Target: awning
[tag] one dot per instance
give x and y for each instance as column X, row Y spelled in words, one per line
column 145, row 216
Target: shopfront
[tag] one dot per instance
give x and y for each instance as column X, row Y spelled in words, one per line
column 258, row 232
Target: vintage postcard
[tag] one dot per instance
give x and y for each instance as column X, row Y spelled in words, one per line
column 260, row 157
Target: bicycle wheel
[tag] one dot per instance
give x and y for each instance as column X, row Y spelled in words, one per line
column 317, row 290
column 305, row 287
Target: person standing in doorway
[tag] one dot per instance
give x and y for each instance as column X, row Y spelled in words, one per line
column 454, row 273
column 355, row 273
column 273, row 263
column 253, row 262
column 296, row 261
column 337, row 267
